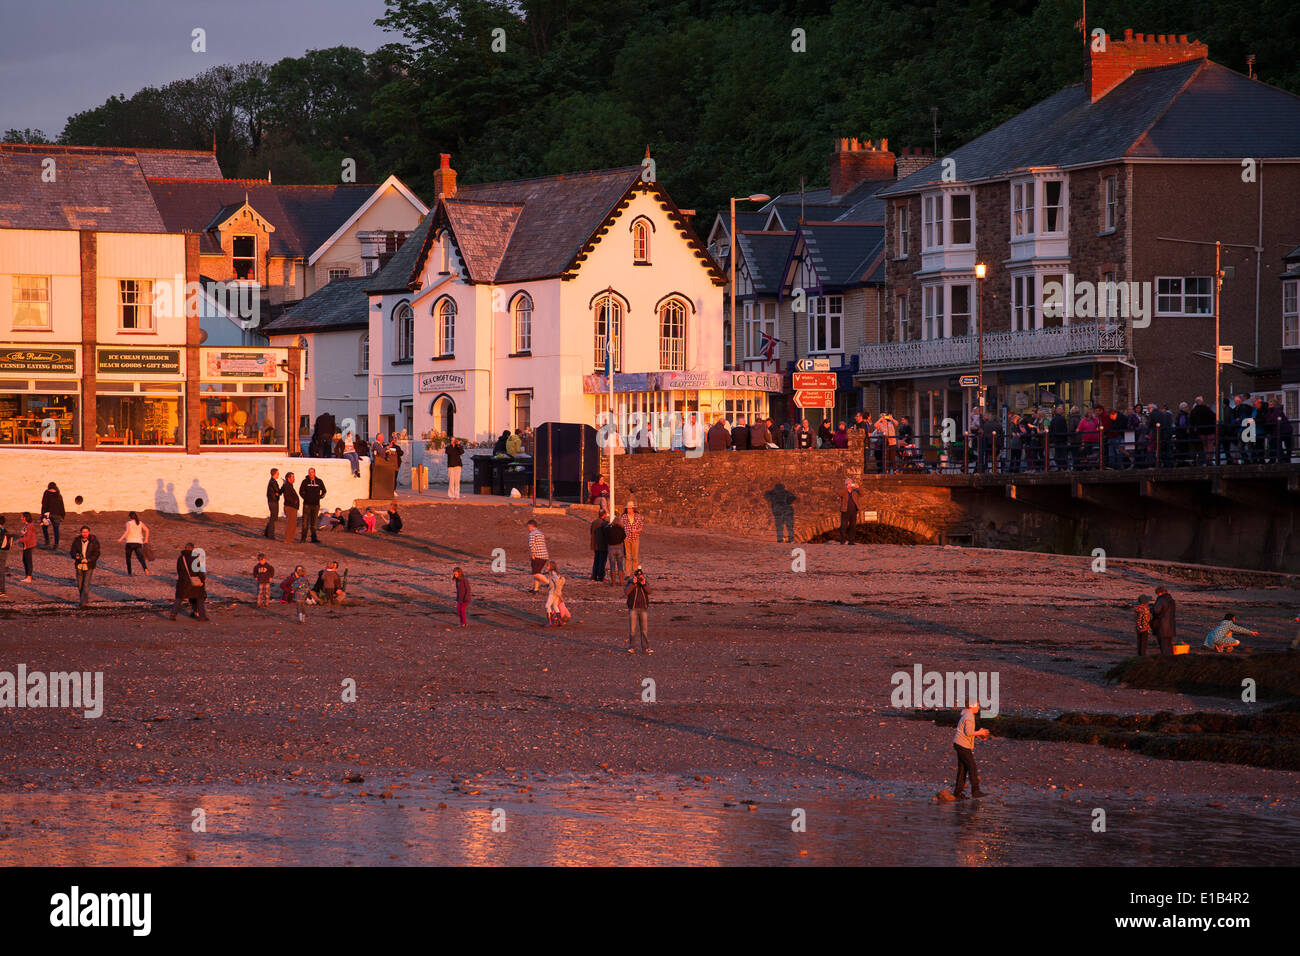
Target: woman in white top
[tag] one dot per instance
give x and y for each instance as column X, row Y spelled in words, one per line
column 136, row 537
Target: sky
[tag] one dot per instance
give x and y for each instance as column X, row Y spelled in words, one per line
column 59, row 57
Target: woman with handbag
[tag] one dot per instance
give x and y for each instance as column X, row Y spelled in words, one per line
column 136, row 537
column 191, row 584
column 27, row 541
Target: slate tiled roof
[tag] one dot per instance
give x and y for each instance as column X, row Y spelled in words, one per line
column 401, row 272
column 482, row 231
column 104, row 190
column 180, row 163
column 765, row 253
column 338, row 306
column 560, row 213
column 845, row 254
column 1192, row 110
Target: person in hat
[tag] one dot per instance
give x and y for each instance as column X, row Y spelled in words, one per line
column 633, row 524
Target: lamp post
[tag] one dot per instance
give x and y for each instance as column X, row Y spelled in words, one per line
column 731, row 263
column 980, row 270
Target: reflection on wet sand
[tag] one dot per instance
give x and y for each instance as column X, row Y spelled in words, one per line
column 621, row 822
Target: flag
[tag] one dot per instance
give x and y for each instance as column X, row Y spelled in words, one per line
column 767, row 345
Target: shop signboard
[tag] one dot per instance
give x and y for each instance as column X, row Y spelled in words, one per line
column 242, row 365
column 442, row 382
column 138, row 362
column 37, row 360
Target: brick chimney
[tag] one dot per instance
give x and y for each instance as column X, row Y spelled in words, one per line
column 913, row 159
column 444, row 179
column 1109, row 68
column 854, row 162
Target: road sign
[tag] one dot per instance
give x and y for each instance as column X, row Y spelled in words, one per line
column 815, row 398
column 821, row 365
column 804, row 365
column 969, row 381
column 819, row 380
column 1225, row 354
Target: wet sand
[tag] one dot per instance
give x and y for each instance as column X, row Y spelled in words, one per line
column 761, row 674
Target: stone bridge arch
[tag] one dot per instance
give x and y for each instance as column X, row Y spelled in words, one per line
column 924, row 532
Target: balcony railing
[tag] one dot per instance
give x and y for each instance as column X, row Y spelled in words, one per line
column 962, row 351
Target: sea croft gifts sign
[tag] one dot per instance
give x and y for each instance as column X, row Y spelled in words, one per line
column 684, row 381
column 442, row 382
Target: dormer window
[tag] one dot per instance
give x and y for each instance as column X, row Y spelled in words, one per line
column 243, row 255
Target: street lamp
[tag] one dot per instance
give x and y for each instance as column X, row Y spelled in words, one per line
column 731, row 263
column 980, row 270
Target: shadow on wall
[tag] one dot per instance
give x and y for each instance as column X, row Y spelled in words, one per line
column 164, row 499
column 781, row 500
column 196, row 499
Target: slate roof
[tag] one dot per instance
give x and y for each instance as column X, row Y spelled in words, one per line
column 303, row 216
column 402, row 270
column 482, row 231
column 1192, row 110
column 338, row 306
column 104, row 190
column 190, row 164
column 765, row 253
column 845, row 255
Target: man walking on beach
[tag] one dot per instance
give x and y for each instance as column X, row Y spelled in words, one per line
column 312, row 490
column 638, row 610
column 1162, row 620
column 85, row 554
column 964, row 744
column 600, row 545
column 191, row 584
column 290, row 507
column 272, row 503
column 537, row 553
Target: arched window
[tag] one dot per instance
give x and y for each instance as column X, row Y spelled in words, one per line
column 609, row 327
column 641, row 241
column 405, row 332
column 363, row 354
column 306, row 356
column 523, row 323
column 446, row 327
column 672, row 336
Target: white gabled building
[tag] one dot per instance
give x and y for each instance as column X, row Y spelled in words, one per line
column 495, row 313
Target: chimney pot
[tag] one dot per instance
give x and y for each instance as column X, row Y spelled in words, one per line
column 1182, row 38
column 1128, row 35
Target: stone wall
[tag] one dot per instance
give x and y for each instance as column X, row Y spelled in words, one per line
column 224, row 483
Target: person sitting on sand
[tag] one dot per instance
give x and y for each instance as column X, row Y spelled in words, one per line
column 333, row 521
column 355, row 521
column 1220, row 638
column 370, row 518
column 392, row 520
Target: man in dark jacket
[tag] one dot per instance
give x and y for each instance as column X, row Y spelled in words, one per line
column 1202, row 424
column 759, row 436
column 803, row 435
column 600, row 545
column 1058, row 430
column 740, row 434
column 1162, row 621
column 718, row 438
column 85, row 555
column 312, row 490
column 191, row 584
column 272, row 503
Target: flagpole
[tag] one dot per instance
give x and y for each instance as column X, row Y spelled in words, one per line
column 609, row 374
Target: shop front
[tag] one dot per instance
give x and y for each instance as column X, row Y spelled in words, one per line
column 140, row 397
column 40, row 395
column 243, row 398
column 663, row 403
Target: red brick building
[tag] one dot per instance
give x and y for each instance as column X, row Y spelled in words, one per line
column 1130, row 177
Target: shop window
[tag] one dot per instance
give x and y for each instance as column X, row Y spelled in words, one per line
column 245, row 413
column 135, row 305
column 39, row 419
column 134, row 419
column 31, row 298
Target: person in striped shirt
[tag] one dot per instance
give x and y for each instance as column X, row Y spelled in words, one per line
column 538, row 553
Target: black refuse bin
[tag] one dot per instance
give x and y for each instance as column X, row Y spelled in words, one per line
column 482, row 474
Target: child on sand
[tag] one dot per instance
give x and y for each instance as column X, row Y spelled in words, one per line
column 301, row 588
column 462, row 593
column 263, row 575
column 1142, row 621
column 556, row 613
